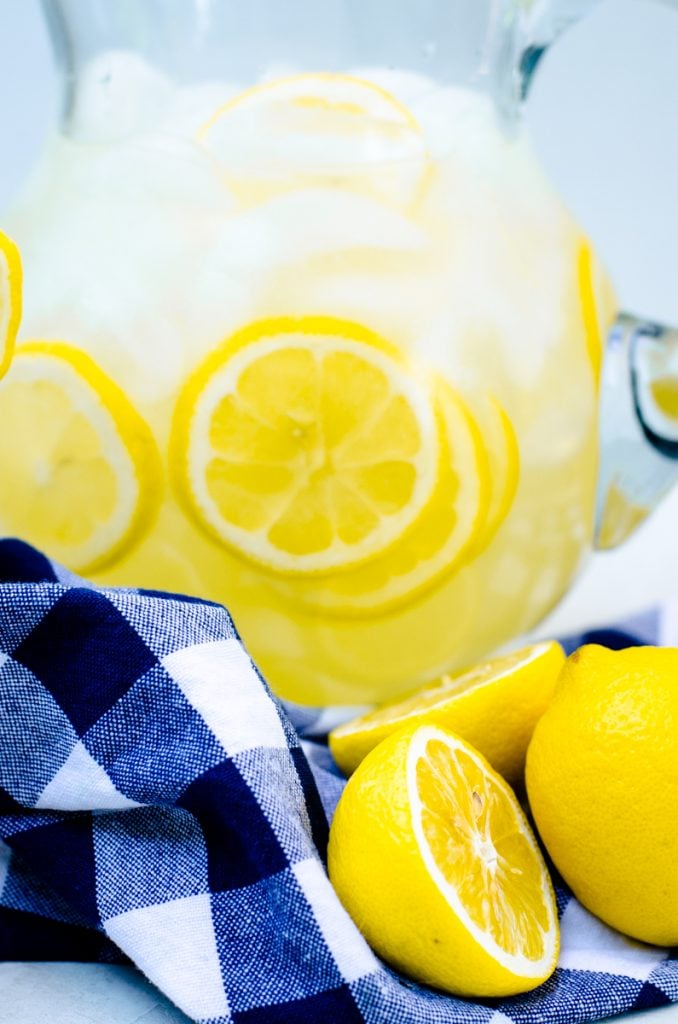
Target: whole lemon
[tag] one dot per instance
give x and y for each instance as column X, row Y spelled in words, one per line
column 602, row 781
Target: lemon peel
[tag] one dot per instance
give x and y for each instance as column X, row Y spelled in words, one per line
column 82, row 476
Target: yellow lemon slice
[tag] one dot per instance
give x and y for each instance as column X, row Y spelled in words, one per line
column 435, row 862
column 598, row 304
column 443, row 537
column 287, row 132
column 495, row 706
column 81, row 474
column 10, row 299
column 308, row 445
column 501, row 444
column 664, row 390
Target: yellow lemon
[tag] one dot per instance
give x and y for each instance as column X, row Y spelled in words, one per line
column 10, row 299
column 602, row 780
column 307, row 445
column 318, row 126
column 81, row 474
column 432, row 857
column 494, row 706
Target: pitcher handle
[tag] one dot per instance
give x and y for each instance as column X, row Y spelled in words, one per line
column 638, row 426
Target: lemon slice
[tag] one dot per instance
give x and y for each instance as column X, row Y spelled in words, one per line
column 308, row 445
column 287, row 132
column 445, row 535
column 432, row 857
column 10, row 299
column 501, row 444
column 495, row 706
column 80, row 470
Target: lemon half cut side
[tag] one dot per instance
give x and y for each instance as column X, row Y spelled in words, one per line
column 494, row 705
column 82, row 477
column 10, row 299
column 308, row 445
column 433, row 858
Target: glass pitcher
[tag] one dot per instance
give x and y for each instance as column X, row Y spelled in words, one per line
column 308, row 332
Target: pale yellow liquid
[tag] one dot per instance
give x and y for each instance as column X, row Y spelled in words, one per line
column 475, row 272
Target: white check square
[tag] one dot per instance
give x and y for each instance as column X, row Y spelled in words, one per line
column 221, row 683
column 352, row 955
column 175, row 946
column 586, row 944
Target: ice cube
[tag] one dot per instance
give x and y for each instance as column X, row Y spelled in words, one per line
column 192, row 106
column 119, row 93
column 303, row 223
column 153, row 168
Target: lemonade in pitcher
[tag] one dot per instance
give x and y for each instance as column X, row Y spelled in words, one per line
column 323, row 346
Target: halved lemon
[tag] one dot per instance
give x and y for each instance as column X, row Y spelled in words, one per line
column 285, row 133
column 81, row 474
column 435, row 862
column 494, row 705
column 308, row 445
column 10, row 299
column 444, row 536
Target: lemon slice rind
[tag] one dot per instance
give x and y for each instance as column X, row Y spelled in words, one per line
column 400, row 174
column 218, row 377
column 313, row 84
column 126, row 444
column 503, row 453
column 10, row 299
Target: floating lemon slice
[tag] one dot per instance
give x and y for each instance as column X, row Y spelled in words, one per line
column 308, row 445
column 432, row 857
column 495, row 706
column 501, row 444
column 10, row 299
column 81, row 473
column 290, row 131
column 444, row 536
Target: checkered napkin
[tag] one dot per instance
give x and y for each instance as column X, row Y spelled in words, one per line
column 157, row 805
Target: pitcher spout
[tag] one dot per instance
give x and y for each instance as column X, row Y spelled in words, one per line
column 638, row 427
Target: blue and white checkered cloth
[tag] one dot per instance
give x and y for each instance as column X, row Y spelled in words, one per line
column 158, row 805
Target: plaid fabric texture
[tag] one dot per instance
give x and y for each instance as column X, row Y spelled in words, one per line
column 159, row 805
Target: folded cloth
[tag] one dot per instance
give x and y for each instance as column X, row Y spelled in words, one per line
column 158, row 803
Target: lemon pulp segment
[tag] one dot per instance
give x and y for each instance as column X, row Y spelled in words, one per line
column 10, row 299
column 81, row 472
column 307, row 445
column 445, row 533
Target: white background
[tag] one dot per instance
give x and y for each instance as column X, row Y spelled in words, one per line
column 604, row 116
